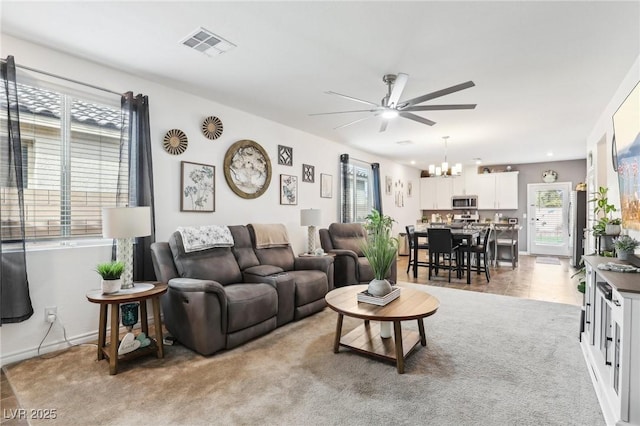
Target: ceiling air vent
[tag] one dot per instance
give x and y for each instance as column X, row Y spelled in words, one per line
column 206, row 42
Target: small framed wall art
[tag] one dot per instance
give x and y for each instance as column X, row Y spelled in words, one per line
column 388, row 185
column 285, row 155
column 197, row 187
column 308, row 173
column 288, row 190
column 326, row 186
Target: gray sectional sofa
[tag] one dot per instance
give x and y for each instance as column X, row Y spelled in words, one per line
column 222, row 297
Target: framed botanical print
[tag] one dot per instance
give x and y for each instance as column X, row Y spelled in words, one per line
column 308, row 173
column 326, row 186
column 247, row 169
column 288, row 190
column 197, row 187
column 388, row 185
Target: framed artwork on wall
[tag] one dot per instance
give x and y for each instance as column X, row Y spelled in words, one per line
column 410, row 189
column 288, row 190
column 308, row 173
column 326, row 186
column 247, row 169
column 197, row 187
column 285, row 155
column 388, row 185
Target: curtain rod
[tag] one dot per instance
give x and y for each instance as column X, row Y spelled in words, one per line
column 66, row 79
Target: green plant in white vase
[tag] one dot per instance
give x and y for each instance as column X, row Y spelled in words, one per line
column 625, row 245
column 110, row 273
column 380, row 249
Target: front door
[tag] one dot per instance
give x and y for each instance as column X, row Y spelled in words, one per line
column 549, row 218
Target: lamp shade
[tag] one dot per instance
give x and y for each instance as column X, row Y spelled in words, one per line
column 126, row 222
column 310, row 217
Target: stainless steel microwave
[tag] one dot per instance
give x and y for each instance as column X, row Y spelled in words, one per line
column 464, row 202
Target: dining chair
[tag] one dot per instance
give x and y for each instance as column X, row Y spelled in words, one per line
column 441, row 243
column 421, row 246
column 506, row 242
column 481, row 251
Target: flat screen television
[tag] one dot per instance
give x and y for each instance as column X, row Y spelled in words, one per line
column 626, row 157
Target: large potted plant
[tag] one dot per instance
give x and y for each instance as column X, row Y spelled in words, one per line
column 625, row 245
column 380, row 249
column 603, row 212
column 110, row 273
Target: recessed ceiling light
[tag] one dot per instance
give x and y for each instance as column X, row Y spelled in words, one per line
column 204, row 41
column 478, row 160
column 413, row 161
column 549, row 154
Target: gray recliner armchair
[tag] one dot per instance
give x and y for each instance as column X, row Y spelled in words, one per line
column 345, row 241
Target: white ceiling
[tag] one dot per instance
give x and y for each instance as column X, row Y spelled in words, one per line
column 544, row 71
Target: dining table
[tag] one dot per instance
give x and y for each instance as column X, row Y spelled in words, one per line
column 467, row 234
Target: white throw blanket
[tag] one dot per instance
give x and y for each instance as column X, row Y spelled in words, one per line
column 195, row 238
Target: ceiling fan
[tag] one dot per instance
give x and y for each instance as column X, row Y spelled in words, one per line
column 391, row 106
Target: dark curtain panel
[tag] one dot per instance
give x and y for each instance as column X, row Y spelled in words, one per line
column 14, row 286
column 376, row 190
column 344, row 188
column 136, row 136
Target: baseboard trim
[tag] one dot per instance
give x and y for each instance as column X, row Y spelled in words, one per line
column 61, row 344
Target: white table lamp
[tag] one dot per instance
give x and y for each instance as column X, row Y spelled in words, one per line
column 311, row 218
column 124, row 224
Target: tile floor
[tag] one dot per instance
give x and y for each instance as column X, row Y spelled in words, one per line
column 530, row 280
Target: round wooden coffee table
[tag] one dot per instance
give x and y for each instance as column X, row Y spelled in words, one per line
column 411, row 305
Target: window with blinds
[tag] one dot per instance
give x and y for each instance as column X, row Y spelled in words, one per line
column 358, row 198
column 70, row 155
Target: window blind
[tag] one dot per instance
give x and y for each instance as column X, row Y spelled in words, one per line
column 71, row 154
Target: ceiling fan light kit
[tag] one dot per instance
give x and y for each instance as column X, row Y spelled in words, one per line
column 390, row 106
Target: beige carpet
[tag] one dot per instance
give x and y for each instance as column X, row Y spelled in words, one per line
column 490, row 360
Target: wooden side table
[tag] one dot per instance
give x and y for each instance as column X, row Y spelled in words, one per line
column 140, row 294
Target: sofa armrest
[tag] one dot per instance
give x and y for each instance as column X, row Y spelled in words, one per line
column 188, row 285
column 195, row 313
column 343, row 252
column 262, row 271
column 321, row 263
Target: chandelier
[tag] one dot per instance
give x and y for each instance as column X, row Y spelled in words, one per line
column 443, row 169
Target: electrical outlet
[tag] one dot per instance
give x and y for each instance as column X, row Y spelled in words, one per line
column 50, row 312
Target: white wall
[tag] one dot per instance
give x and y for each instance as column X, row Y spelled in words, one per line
column 62, row 277
column 604, row 129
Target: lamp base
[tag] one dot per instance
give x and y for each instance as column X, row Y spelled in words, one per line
column 311, row 234
column 124, row 254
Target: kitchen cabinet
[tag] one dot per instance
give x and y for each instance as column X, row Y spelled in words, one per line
column 435, row 193
column 610, row 340
column 495, row 191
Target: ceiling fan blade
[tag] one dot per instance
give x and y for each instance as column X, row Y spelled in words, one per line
column 439, row 107
column 383, row 126
column 417, row 118
column 351, row 98
column 343, row 112
column 436, row 94
column 398, row 88
column 353, row 122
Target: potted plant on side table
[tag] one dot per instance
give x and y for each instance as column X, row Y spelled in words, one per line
column 110, row 273
column 625, row 245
